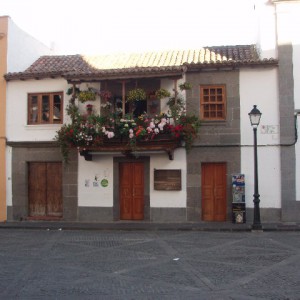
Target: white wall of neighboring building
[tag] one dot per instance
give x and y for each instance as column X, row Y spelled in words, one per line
column 23, row 49
column 259, row 87
column 294, row 23
column 266, row 29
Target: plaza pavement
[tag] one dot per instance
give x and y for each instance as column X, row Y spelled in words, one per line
column 60, row 263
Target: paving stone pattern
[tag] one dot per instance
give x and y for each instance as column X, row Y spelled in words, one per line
column 99, row 264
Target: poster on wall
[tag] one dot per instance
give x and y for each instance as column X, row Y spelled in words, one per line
column 238, row 199
column 238, row 188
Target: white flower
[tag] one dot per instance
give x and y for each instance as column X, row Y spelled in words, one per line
column 149, row 129
column 152, row 125
column 110, row 134
column 103, row 129
column 131, row 135
column 161, row 126
column 130, row 130
column 156, row 130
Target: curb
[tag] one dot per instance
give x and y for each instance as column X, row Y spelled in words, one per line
column 130, row 226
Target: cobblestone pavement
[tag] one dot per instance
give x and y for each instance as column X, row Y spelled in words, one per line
column 86, row 264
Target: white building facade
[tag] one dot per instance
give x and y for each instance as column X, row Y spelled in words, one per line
column 94, row 181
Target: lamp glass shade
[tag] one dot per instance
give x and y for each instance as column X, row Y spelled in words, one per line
column 254, row 116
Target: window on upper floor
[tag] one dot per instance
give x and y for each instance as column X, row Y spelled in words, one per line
column 212, row 102
column 45, row 108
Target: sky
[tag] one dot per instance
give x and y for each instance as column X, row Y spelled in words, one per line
column 110, row 26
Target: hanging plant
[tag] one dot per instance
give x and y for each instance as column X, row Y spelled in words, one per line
column 162, row 93
column 105, row 94
column 70, row 91
column 185, row 86
column 136, row 95
column 87, row 95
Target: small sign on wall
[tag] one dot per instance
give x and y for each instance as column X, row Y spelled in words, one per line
column 167, row 180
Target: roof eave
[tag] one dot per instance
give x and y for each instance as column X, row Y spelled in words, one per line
column 230, row 65
column 119, row 75
column 37, row 76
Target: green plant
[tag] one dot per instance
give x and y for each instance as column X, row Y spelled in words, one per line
column 71, row 89
column 176, row 106
column 162, row 93
column 87, row 95
column 136, row 95
column 185, row 86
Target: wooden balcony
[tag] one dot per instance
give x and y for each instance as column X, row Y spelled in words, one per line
column 162, row 144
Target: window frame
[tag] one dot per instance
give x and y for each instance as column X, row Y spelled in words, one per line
column 204, row 102
column 39, row 117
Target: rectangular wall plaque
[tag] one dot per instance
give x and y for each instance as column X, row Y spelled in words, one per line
column 167, row 180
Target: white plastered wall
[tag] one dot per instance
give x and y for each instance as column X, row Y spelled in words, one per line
column 17, row 93
column 259, row 87
column 16, row 115
column 90, row 175
column 23, row 49
column 294, row 20
column 266, row 29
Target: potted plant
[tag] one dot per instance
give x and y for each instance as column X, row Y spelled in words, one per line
column 185, row 86
column 87, row 95
column 70, row 91
column 162, row 93
column 136, row 94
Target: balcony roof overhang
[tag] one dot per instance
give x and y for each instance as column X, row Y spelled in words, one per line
column 126, row 74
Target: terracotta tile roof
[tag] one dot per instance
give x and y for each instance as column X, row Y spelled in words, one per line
column 142, row 64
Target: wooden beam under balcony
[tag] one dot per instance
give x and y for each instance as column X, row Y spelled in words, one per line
column 145, row 147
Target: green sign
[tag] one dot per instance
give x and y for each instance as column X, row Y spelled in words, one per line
column 104, row 182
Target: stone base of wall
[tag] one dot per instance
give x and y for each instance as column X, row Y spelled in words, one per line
column 267, row 215
column 166, row 214
column 9, row 213
column 95, row 214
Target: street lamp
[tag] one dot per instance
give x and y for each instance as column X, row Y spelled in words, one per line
column 254, row 116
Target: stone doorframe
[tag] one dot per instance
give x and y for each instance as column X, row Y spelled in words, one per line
column 24, row 152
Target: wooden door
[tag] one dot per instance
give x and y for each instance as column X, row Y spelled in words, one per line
column 213, row 191
column 131, row 191
column 45, row 189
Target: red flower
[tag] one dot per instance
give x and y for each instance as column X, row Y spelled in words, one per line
column 177, row 130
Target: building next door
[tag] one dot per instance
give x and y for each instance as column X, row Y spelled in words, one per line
column 45, row 189
column 213, row 183
column 131, row 190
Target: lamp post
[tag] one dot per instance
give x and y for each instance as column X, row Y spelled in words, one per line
column 254, row 116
